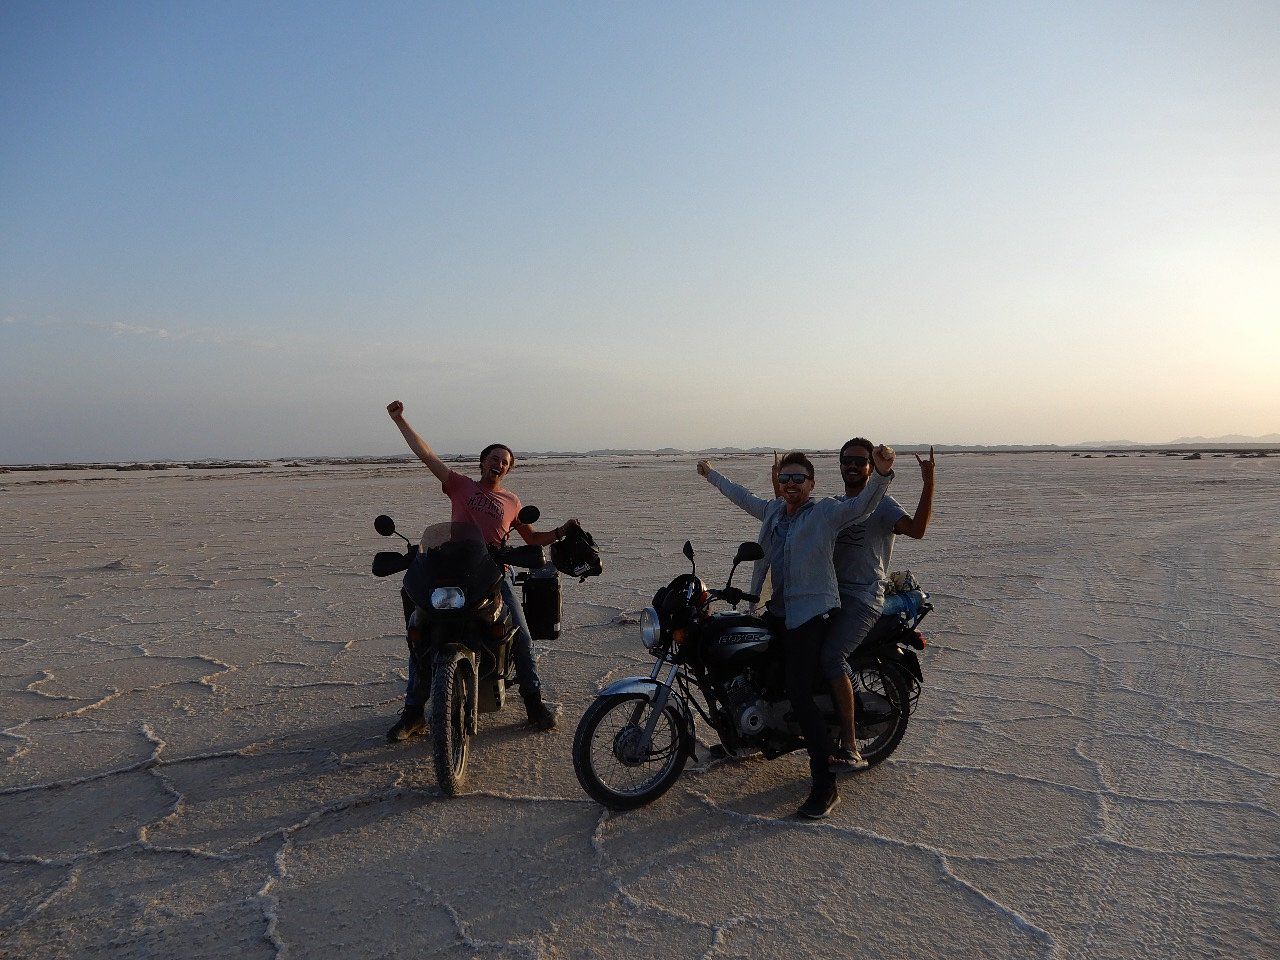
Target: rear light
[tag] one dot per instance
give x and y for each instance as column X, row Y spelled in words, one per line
column 914, row 639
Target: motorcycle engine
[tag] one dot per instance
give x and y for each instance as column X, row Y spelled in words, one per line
column 746, row 706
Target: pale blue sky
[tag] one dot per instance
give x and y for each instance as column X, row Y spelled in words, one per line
column 240, row 229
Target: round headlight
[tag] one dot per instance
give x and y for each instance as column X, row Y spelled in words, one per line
column 650, row 627
column 448, row 598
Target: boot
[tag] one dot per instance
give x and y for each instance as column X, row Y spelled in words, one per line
column 822, row 800
column 412, row 723
column 541, row 717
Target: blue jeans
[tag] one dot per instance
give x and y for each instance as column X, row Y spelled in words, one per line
column 418, row 687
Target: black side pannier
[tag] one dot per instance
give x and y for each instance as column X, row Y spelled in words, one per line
column 542, row 603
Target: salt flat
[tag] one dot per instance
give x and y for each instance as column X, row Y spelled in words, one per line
column 198, row 670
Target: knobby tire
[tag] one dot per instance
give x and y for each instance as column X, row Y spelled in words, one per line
column 452, row 702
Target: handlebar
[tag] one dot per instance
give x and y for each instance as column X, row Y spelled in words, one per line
column 733, row 596
column 529, row 556
column 387, row 562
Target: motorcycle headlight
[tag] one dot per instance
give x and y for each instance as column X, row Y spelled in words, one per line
column 650, row 627
column 448, row 598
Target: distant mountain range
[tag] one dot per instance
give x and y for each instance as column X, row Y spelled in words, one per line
column 1229, row 440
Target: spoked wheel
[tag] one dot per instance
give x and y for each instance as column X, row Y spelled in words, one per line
column 883, row 710
column 452, row 713
column 609, row 756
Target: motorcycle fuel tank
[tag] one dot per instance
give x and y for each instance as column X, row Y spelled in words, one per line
column 733, row 638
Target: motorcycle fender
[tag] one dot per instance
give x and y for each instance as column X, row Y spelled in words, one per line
column 645, row 685
column 913, row 664
column 445, row 650
column 892, row 656
column 649, row 687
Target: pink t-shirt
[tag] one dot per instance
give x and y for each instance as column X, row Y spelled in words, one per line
column 492, row 511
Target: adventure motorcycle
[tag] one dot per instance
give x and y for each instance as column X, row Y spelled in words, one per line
column 633, row 741
column 460, row 631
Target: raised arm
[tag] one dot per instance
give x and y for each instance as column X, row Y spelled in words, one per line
column 741, row 496
column 915, row 526
column 419, row 446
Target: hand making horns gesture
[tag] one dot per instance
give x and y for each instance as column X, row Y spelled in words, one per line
column 927, row 466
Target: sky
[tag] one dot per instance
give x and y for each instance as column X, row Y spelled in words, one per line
column 241, row 229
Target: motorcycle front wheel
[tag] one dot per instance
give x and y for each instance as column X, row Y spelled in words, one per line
column 884, row 706
column 452, row 708
column 607, row 757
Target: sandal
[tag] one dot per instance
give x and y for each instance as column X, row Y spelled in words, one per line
column 845, row 760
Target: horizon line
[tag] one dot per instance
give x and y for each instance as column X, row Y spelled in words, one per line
column 1264, row 444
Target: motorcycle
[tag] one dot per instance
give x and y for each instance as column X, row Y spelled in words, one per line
column 460, row 631
column 634, row 739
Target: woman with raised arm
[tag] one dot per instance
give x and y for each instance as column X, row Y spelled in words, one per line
column 493, row 510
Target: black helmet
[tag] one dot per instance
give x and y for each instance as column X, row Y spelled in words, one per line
column 576, row 555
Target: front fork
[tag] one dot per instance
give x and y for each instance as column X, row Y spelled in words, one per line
column 657, row 704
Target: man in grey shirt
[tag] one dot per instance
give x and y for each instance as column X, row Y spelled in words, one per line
column 862, row 555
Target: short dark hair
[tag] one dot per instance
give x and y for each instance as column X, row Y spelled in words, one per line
column 498, row 446
column 859, row 442
column 795, row 456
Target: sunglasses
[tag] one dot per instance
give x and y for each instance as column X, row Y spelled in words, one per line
column 854, row 461
column 793, row 477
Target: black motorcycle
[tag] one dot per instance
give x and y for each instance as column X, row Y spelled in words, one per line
column 635, row 738
column 460, row 632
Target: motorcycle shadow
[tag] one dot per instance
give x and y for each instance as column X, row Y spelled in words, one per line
column 752, row 785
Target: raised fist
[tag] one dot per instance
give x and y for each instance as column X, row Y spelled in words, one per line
column 883, row 456
column 704, row 467
column 396, row 409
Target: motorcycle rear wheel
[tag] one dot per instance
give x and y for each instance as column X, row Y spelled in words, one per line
column 607, row 772
column 452, row 709
column 884, row 682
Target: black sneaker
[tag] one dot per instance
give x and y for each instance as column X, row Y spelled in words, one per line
column 412, row 723
column 541, row 716
column 822, row 800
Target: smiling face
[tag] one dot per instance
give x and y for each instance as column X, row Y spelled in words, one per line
column 796, row 483
column 855, row 466
column 495, row 464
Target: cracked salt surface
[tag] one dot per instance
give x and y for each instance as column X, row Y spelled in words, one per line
column 192, row 709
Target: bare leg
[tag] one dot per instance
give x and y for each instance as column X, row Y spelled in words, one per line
column 842, row 691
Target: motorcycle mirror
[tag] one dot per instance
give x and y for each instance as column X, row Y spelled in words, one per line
column 529, row 514
column 384, row 525
column 748, row 551
column 688, row 552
